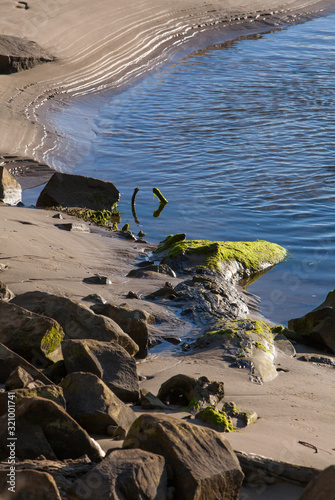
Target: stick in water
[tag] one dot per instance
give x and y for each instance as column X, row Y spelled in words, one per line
column 159, row 195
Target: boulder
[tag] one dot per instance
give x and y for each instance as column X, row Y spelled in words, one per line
column 322, row 487
column 44, row 428
column 132, row 321
column 56, row 372
column 52, row 392
column 93, row 405
column 9, row 361
column 10, row 189
column 5, row 293
column 151, row 402
column 106, row 360
column 126, row 474
column 196, row 393
column 203, row 463
column 28, row 485
column 18, row 379
column 30, row 334
column 157, row 268
column 316, row 328
column 70, row 190
column 77, row 320
column 18, row 54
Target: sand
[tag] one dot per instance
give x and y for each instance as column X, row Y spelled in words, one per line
column 102, row 45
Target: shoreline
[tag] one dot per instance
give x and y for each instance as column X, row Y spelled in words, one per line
column 123, row 49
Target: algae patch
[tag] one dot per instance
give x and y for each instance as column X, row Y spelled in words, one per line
column 217, row 419
column 254, row 256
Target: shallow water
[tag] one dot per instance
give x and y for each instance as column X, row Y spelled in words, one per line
column 240, row 138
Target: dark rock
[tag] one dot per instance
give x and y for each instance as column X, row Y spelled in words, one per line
column 57, row 216
column 70, row 190
column 132, row 321
column 116, row 432
column 9, row 361
column 316, row 328
column 5, row 293
column 202, row 462
column 98, row 280
column 94, row 297
column 184, row 390
column 77, row 320
column 106, row 360
column 93, row 405
column 151, row 402
column 133, row 295
column 29, row 334
column 166, row 291
column 173, row 340
column 56, row 372
column 52, row 392
column 157, row 268
column 315, row 358
column 322, row 487
column 44, row 428
column 18, row 54
column 126, row 474
column 18, row 379
column 28, row 485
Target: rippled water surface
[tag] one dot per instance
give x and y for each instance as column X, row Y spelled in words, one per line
column 240, row 138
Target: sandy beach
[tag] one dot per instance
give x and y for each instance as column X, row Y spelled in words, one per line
column 100, row 46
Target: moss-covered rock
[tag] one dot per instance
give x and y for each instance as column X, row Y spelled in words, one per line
column 236, row 257
column 217, row 419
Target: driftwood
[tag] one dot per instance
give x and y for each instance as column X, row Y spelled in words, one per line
column 258, row 469
column 64, row 472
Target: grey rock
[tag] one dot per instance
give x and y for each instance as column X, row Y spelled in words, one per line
column 78, row 191
column 157, row 268
column 93, row 405
column 97, row 279
column 10, row 189
column 151, row 402
column 77, row 227
column 322, row 487
column 315, row 358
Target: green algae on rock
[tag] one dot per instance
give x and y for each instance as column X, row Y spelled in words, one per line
column 248, row 257
column 217, row 419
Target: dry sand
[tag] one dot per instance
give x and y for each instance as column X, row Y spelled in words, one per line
column 104, row 44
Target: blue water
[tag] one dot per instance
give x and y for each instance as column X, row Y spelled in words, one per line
column 240, row 138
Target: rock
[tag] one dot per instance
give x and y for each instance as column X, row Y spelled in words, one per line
column 29, row 334
column 18, row 54
column 173, row 340
column 5, row 293
column 98, row 280
column 126, row 475
column 10, row 189
column 216, row 419
column 9, row 361
column 116, row 432
column 132, row 321
column 106, row 360
column 77, row 227
column 151, row 402
column 133, row 295
column 196, row 393
column 44, row 428
column 202, row 461
column 18, row 379
column 56, row 372
column 52, row 392
column 157, row 268
column 94, row 297
column 316, row 328
column 284, row 345
column 93, row 405
column 28, row 485
column 322, row 487
column 70, row 190
column 77, row 320
column 315, row 358
column 246, row 417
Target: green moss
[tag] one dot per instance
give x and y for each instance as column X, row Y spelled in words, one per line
column 52, row 339
column 217, row 418
column 253, row 255
column 125, row 227
column 159, row 195
column 106, row 218
column 193, row 405
column 261, row 346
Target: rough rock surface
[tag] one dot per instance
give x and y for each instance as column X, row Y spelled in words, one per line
column 126, row 474
column 77, row 320
column 5, row 293
column 18, row 54
column 10, row 189
column 78, row 191
column 184, row 390
column 202, row 462
column 29, row 485
column 29, row 334
column 9, row 361
column 151, row 402
column 44, row 428
column 18, row 379
column 106, row 360
column 132, row 321
column 52, row 392
column 93, row 405
column 317, row 328
column 322, row 487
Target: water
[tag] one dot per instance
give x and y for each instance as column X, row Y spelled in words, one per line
column 240, row 138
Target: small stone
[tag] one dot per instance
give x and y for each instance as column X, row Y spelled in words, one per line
column 98, row 280
column 94, row 297
column 5, row 293
column 78, row 227
column 173, row 340
column 57, row 216
column 151, row 402
column 18, row 379
column 10, row 189
column 134, row 295
column 116, row 432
